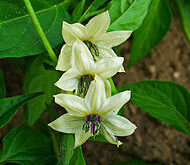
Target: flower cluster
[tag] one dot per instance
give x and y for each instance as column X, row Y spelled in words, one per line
column 88, row 61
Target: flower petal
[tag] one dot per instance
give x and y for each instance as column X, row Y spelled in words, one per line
column 67, row 123
column 69, row 80
column 71, row 32
column 96, row 95
column 104, row 52
column 107, row 88
column 109, row 137
column 97, row 26
column 75, row 105
column 64, row 60
column 82, row 58
column 81, row 137
column 113, row 104
column 108, row 67
column 111, row 39
column 118, row 125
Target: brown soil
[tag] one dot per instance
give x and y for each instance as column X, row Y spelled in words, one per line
column 153, row 141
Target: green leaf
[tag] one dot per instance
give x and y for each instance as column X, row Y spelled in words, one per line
column 136, row 162
column 2, row 85
column 77, row 12
column 93, row 7
column 166, row 101
column 154, row 28
column 39, row 80
column 66, row 149
column 78, row 158
column 128, row 18
column 10, row 105
column 18, row 34
column 184, row 12
column 25, row 146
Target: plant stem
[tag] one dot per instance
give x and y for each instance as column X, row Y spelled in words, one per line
column 40, row 31
column 54, row 143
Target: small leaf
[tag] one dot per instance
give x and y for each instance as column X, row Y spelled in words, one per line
column 10, row 105
column 128, row 18
column 78, row 158
column 25, row 146
column 2, row 85
column 166, row 101
column 184, row 12
column 18, row 35
column 66, row 149
column 93, row 7
column 39, row 80
column 77, row 12
column 154, row 28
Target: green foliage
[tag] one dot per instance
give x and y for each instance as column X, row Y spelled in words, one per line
column 10, row 105
column 78, row 158
column 96, row 4
column 18, row 34
column 184, row 12
column 136, row 162
column 25, row 146
column 2, row 86
column 152, row 31
column 77, row 12
column 166, row 101
column 39, row 80
column 66, row 149
column 124, row 17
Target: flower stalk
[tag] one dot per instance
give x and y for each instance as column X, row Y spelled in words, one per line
column 40, row 31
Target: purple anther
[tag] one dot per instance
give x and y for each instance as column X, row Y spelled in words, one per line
column 92, row 128
column 91, row 116
column 100, row 119
column 89, row 77
column 87, row 119
column 117, row 141
column 87, row 85
column 96, row 116
column 83, row 77
column 80, row 82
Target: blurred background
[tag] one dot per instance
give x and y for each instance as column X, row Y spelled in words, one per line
column 153, row 141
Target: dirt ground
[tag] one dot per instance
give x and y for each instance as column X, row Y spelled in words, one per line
column 153, row 141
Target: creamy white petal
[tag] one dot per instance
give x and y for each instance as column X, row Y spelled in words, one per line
column 111, row 39
column 64, row 59
column 107, row 88
column 71, row 32
column 118, row 125
column 114, row 103
column 81, row 137
column 96, row 95
column 109, row 137
column 75, row 105
column 69, row 80
column 81, row 58
column 108, row 67
column 67, row 123
column 97, row 26
column 104, row 52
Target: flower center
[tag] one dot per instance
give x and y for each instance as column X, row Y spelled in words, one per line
column 92, row 122
column 84, row 84
column 93, row 49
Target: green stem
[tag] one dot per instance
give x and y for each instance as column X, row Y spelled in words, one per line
column 40, row 30
column 54, row 143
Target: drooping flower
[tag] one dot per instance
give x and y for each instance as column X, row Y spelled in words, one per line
column 84, row 68
column 94, row 36
column 93, row 114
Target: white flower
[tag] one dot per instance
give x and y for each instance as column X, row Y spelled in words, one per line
column 93, row 114
column 84, row 68
column 94, row 36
